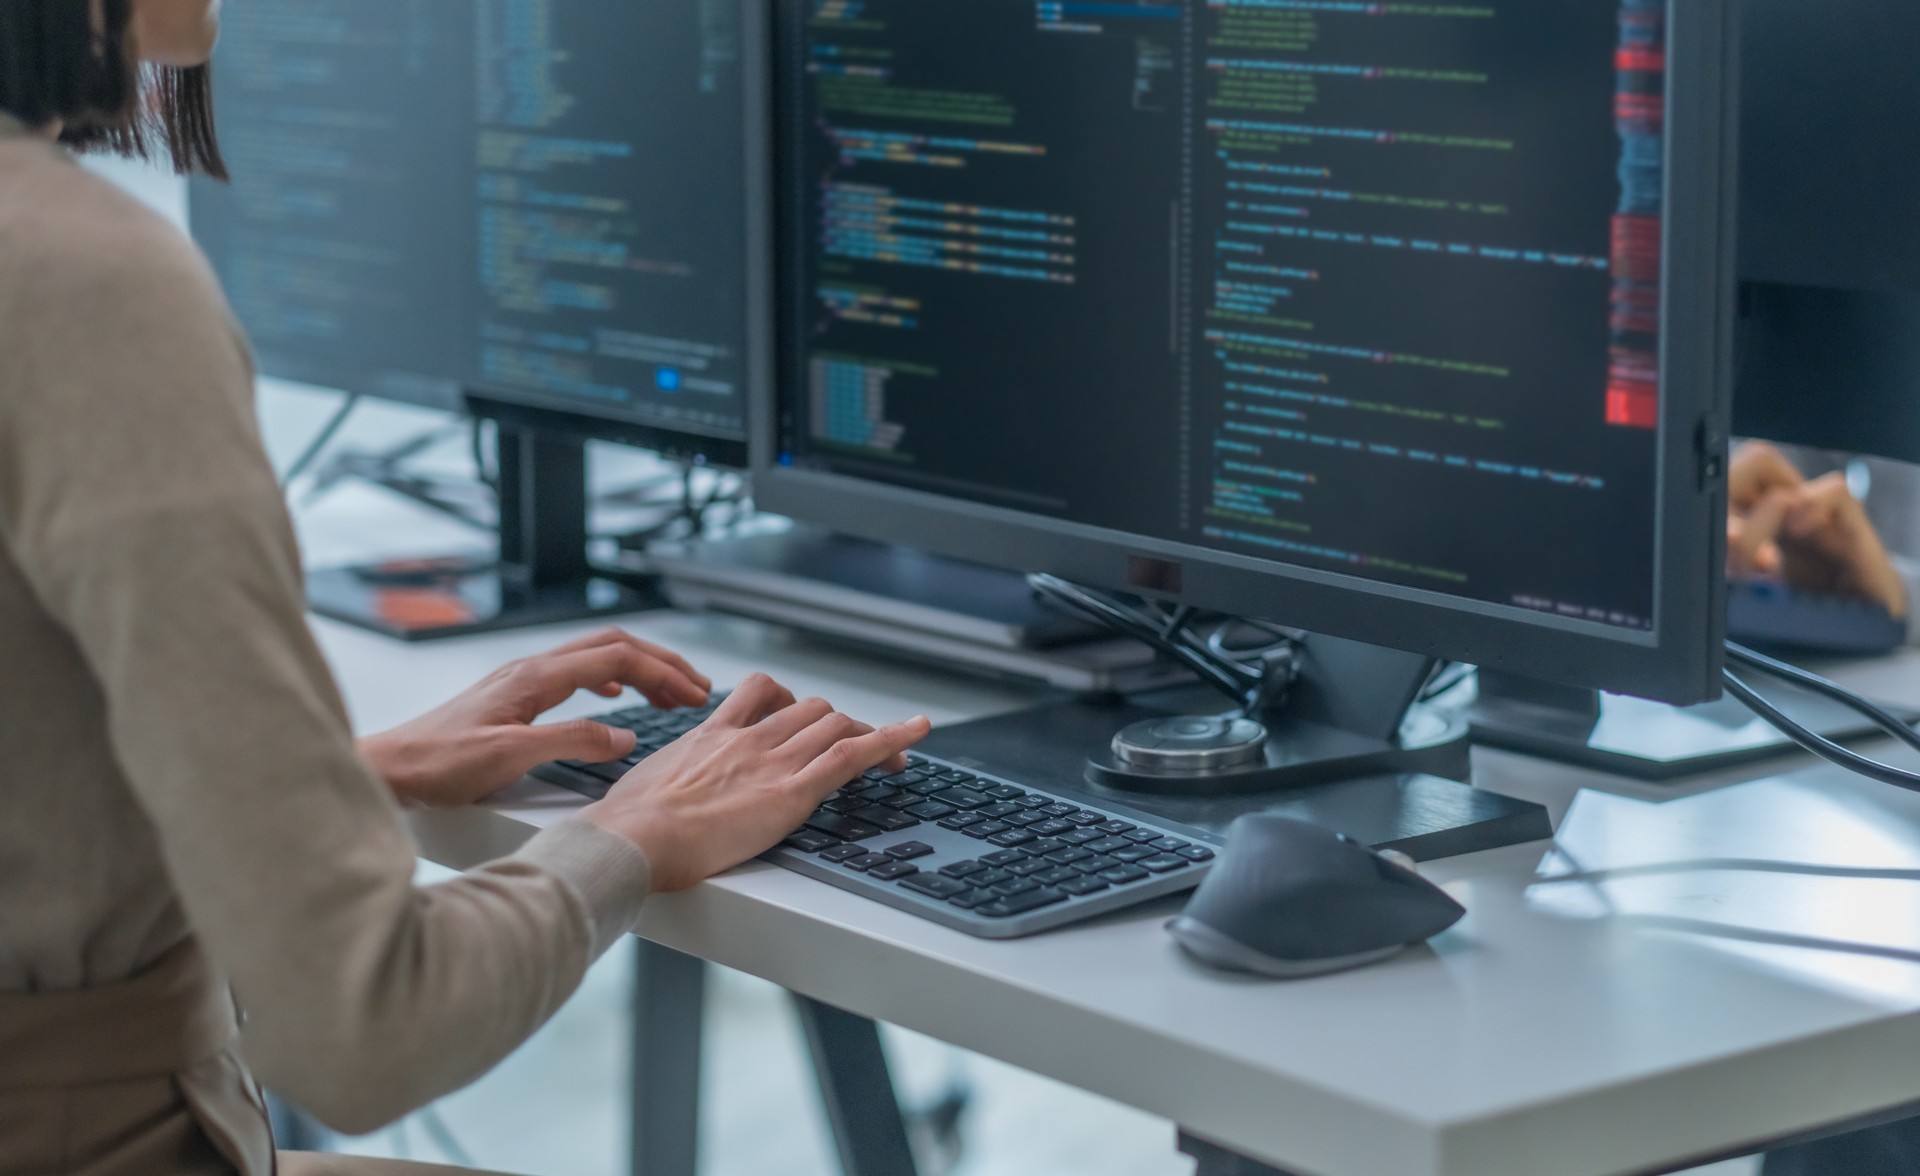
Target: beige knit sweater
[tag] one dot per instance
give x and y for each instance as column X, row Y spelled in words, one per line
column 176, row 766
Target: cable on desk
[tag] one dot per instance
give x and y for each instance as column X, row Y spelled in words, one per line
column 321, row 440
column 1812, row 741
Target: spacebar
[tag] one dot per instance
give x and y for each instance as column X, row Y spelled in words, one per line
column 845, row 828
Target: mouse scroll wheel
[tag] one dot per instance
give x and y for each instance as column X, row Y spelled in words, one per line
column 1401, row 860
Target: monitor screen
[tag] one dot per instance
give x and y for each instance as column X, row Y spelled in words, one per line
column 1369, row 290
column 541, row 199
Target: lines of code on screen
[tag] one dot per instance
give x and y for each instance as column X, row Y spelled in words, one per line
column 542, row 198
column 1363, row 287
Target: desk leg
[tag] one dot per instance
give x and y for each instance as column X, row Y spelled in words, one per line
column 669, row 1005
column 858, row 1090
column 1210, row 1159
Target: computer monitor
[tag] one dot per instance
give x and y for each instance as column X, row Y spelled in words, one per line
column 1408, row 324
column 535, row 208
column 1829, row 225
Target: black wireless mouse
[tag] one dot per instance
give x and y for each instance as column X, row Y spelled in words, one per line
column 1288, row 899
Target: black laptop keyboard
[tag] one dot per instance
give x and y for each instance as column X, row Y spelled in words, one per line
column 980, row 853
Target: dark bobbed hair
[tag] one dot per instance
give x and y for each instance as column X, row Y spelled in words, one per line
column 55, row 66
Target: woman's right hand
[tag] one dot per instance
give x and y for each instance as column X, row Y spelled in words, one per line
column 735, row 785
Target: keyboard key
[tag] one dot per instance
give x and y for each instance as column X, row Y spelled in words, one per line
column 845, row 828
column 935, row 886
column 808, row 841
column 1015, row 886
column 1121, row 875
column 986, row 829
column 1116, row 827
column 956, row 776
column 962, row 869
column 842, row 852
column 906, row 851
column 1066, row 857
column 1135, row 853
column 1030, row 867
column 1023, row 819
column 876, row 774
column 988, row 878
column 1086, row 820
column 1165, row 863
column 875, row 793
column 1005, row 792
column 893, row 871
column 1083, row 836
column 1005, row 857
column 1020, row 904
column 845, row 804
column 1011, row 837
column 1045, row 845
column 904, row 800
column 1169, row 844
column 1081, row 887
column 997, row 811
column 1056, row 875
column 961, row 820
column 964, row 798
column 929, row 787
column 972, row 899
column 1109, row 844
column 1097, row 863
column 885, row 818
column 866, row 861
column 1053, row 828
column 930, row 810
column 1196, row 853
column 1035, row 801
column 1142, row 836
column 1059, row 810
column 906, row 778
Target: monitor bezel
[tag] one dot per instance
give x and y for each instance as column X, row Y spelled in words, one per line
column 1679, row 660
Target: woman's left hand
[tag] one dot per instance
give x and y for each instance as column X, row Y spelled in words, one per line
column 484, row 740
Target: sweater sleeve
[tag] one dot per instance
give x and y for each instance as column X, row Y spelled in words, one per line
column 135, row 496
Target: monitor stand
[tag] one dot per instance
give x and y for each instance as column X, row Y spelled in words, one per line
column 1353, row 753
column 542, row 575
column 1647, row 740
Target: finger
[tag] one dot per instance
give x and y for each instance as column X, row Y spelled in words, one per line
column 782, row 725
column 754, row 699
column 850, row 757
column 814, row 740
column 1753, row 547
column 661, row 683
column 1756, row 470
column 580, row 739
column 618, row 636
column 1824, row 504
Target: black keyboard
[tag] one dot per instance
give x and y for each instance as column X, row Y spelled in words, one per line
column 1771, row 615
column 978, row 853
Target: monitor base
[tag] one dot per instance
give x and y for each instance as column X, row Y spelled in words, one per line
column 1648, row 740
column 1401, row 801
column 432, row 599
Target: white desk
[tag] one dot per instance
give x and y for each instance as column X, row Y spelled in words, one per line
column 1589, row 1028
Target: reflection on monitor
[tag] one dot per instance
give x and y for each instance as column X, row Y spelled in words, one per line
column 539, row 198
column 1370, row 289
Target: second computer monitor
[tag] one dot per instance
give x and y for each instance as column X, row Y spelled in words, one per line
column 541, row 200
column 1407, row 323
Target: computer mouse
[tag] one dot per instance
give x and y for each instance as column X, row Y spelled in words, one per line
column 1287, row 899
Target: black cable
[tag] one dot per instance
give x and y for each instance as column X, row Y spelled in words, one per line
column 1819, row 745
column 1139, row 626
column 1891, row 723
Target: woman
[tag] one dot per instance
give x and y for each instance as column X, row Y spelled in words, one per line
column 185, row 822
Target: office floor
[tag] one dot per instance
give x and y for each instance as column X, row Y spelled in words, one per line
column 557, row 1107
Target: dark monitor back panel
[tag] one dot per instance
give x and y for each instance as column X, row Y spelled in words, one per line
column 540, row 199
column 1830, row 144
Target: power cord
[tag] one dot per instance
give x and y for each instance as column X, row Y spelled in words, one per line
column 1257, row 677
column 1812, row 741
